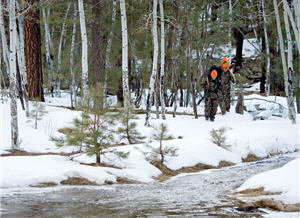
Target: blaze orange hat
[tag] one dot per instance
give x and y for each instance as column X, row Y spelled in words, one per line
column 214, row 74
column 225, row 64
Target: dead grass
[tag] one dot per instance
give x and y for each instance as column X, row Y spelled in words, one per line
column 100, row 165
column 25, row 153
column 44, row 184
column 256, row 192
column 77, row 181
column 272, row 204
column 251, row 158
column 168, row 173
column 121, row 180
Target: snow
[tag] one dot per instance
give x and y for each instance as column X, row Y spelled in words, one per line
column 243, row 136
column 285, row 179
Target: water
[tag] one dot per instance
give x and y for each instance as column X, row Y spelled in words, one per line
column 198, row 194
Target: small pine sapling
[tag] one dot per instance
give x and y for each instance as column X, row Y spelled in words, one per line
column 37, row 112
column 218, row 137
column 92, row 131
column 128, row 129
column 160, row 153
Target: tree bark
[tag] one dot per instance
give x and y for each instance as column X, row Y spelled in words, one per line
column 96, row 69
column 154, row 66
column 84, row 57
column 162, row 60
column 33, row 51
column 4, row 41
column 126, row 93
column 108, row 50
column 267, row 88
column 290, row 100
column 239, row 39
column 63, row 30
column 73, row 84
column 15, row 144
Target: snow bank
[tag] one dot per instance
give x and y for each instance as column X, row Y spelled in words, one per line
column 285, row 179
column 191, row 136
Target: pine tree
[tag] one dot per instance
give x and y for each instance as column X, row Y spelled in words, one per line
column 128, row 129
column 92, row 131
column 37, row 112
column 160, row 153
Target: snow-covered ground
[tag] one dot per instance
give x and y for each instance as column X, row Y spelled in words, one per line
column 243, row 136
column 285, row 179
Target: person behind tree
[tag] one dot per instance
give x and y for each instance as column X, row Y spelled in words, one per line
column 212, row 90
column 227, row 77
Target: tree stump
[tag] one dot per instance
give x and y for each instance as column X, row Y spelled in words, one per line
column 240, row 104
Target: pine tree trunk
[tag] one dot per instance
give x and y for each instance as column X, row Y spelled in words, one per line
column 84, row 57
column 154, row 66
column 33, row 51
column 162, row 60
column 239, row 48
column 73, row 85
column 108, row 50
column 126, row 94
column 290, row 100
column 63, row 30
column 96, row 69
column 13, row 72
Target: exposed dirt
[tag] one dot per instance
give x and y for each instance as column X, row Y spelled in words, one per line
column 25, row 153
column 77, row 181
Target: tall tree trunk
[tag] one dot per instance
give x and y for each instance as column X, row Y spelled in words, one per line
column 84, row 57
column 162, row 60
column 33, row 51
column 232, row 91
column 239, row 39
column 49, row 59
column 108, row 50
column 96, row 69
column 63, row 30
column 126, row 93
column 21, row 59
column 267, row 49
column 297, row 75
column 294, row 26
column 15, row 144
column 154, row 66
column 4, row 41
column 263, row 68
column 290, row 100
column 73, row 84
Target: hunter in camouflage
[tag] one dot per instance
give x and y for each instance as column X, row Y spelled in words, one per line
column 227, row 77
column 212, row 92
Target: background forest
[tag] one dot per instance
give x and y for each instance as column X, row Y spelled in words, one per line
column 50, row 46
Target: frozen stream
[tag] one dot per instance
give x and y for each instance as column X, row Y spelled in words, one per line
column 197, row 194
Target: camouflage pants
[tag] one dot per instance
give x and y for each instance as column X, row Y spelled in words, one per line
column 226, row 96
column 211, row 104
